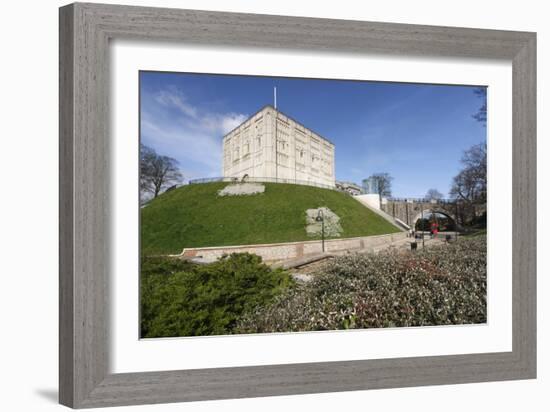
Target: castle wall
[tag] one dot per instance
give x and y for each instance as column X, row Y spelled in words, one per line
column 273, row 146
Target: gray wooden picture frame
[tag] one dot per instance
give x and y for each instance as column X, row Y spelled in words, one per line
column 85, row 31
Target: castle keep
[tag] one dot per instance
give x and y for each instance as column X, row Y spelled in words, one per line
column 271, row 145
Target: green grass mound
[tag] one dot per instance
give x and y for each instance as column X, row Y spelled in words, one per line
column 195, row 216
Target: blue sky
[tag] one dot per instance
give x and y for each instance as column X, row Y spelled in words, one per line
column 417, row 133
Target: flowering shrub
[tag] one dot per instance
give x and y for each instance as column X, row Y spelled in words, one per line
column 442, row 285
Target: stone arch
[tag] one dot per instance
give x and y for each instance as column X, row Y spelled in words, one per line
column 436, row 210
column 410, row 210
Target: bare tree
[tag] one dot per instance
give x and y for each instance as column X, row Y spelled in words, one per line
column 157, row 172
column 433, row 194
column 382, row 183
column 146, row 155
column 475, row 159
column 470, row 184
column 481, row 115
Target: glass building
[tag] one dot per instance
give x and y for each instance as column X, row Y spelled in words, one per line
column 370, row 185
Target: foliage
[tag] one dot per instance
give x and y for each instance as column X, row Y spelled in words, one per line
column 439, row 286
column 195, row 216
column 156, row 172
column 182, row 299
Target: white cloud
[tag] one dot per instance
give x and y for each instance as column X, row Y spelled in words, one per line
column 232, row 120
column 193, row 136
column 222, row 123
column 184, row 146
column 176, row 99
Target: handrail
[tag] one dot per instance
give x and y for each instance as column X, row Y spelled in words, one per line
column 262, row 180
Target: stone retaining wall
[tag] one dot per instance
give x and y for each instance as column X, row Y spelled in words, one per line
column 292, row 250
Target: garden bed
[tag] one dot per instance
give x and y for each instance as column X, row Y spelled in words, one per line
column 442, row 285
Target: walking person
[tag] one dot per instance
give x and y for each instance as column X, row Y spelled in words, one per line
column 434, row 230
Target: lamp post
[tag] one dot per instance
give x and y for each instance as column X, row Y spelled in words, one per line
column 321, row 218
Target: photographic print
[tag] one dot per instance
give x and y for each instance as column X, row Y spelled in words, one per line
column 278, row 205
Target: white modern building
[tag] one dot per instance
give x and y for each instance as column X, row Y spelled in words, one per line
column 271, row 145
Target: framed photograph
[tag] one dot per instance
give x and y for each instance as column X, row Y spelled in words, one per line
column 256, row 205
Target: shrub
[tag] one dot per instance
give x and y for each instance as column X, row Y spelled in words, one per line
column 439, row 286
column 182, row 299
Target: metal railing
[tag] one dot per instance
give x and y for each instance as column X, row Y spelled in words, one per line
column 261, row 180
column 420, row 200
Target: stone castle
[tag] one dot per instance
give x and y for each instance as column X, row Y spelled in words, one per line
column 271, row 145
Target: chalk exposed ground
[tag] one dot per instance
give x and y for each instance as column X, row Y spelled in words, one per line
column 242, row 189
column 332, row 222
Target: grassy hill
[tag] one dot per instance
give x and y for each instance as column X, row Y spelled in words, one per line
column 195, row 216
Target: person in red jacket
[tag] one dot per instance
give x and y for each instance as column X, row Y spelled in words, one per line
column 435, row 229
